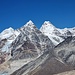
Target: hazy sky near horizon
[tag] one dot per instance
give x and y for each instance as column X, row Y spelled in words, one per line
column 15, row 13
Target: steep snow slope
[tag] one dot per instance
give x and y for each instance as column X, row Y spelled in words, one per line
column 30, row 43
column 10, row 35
column 52, row 32
column 7, row 33
column 55, row 34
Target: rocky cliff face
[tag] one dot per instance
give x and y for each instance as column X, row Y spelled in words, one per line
column 24, row 44
column 6, row 39
column 30, row 42
column 65, row 51
column 72, row 72
column 55, row 34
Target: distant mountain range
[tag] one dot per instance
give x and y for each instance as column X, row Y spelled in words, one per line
column 32, row 47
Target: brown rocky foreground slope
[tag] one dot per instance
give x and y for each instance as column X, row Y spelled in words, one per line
column 51, row 67
column 67, row 73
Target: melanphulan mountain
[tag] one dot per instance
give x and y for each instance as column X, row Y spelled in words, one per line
column 29, row 50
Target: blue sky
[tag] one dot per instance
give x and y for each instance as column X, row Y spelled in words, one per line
column 15, row 13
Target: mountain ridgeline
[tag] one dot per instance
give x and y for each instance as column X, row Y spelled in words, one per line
column 34, row 47
column 30, row 43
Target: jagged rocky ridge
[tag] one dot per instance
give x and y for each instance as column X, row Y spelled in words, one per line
column 65, row 51
column 24, row 44
column 30, row 42
column 55, row 34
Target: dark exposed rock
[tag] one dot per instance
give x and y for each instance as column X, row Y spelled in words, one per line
column 50, row 67
column 30, row 43
column 2, row 42
column 66, row 51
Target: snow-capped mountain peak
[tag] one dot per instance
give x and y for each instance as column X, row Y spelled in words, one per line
column 6, row 33
column 47, row 27
column 6, row 30
column 51, row 31
column 29, row 23
column 48, row 24
column 29, row 26
column 9, row 35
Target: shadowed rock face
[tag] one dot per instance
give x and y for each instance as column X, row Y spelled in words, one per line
column 67, row 73
column 27, row 43
column 26, row 50
column 50, row 67
column 2, row 59
column 30, row 43
column 66, row 51
column 2, row 42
